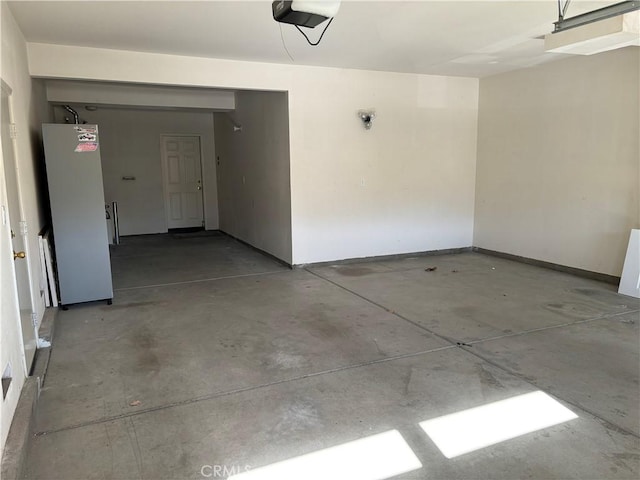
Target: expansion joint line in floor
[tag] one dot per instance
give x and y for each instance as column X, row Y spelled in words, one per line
column 608, row 424
column 213, row 396
column 468, row 347
column 450, row 341
column 604, row 316
column 187, row 282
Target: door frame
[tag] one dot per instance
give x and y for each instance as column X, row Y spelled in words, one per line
column 165, row 174
column 7, row 162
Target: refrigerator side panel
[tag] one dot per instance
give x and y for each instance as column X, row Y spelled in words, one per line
column 77, row 208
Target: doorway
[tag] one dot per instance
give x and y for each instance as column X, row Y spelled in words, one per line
column 18, row 228
column 182, row 177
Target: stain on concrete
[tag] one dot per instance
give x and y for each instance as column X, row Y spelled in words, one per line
column 131, row 305
column 146, row 345
column 466, row 311
column 320, row 324
column 286, row 361
column 612, row 427
column 589, row 292
column 574, row 310
column 327, row 330
column 298, row 416
column 380, row 351
column 619, row 412
column 487, row 378
column 407, row 381
column 627, row 456
column 354, row 271
column 626, row 460
column 605, row 298
column 628, row 321
column 144, row 338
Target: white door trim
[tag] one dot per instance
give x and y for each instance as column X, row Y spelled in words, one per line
column 21, row 208
column 13, row 162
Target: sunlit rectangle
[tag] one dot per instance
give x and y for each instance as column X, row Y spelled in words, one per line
column 372, row 458
column 476, row 428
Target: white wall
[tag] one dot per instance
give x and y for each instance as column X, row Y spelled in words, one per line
column 417, row 163
column 29, row 109
column 559, row 162
column 253, row 172
column 130, row 146
column 406, row 185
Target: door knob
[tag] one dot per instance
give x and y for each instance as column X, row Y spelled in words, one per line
column 18, row 255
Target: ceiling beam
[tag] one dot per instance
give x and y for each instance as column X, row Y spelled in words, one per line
column 596, row 15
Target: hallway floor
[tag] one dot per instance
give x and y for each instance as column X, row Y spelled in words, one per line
column 214, row 359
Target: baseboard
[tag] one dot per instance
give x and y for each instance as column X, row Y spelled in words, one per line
column 578, row 272
column 22, row 428
column 45, row 332
column 397, row 256
column 601, row 277
column 252, row 247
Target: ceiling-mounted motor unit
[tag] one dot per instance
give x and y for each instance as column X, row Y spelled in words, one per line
column 304, row 13
column 608, row 28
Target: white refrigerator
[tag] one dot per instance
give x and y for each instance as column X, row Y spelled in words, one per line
column 76, row 194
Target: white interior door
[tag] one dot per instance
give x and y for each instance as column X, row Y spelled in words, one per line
column 182, row 169
column 18, row 231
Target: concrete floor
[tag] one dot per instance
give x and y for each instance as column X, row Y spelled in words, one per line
column 213, row 354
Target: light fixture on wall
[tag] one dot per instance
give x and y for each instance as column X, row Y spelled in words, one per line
column 236, row 126
column 367, row 117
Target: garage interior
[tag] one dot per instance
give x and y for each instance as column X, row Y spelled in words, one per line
column 432, row 292
column 311, row 358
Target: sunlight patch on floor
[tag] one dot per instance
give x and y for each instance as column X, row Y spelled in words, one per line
column 372, row 458
column 476, row 428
